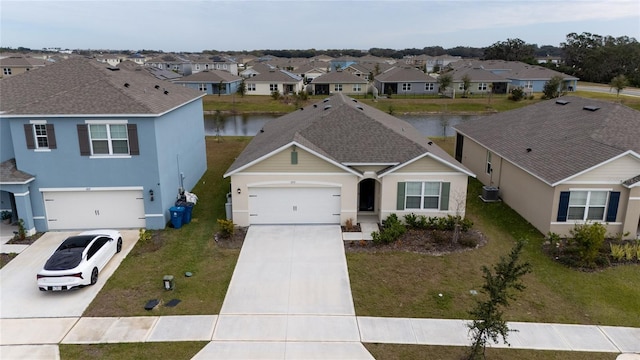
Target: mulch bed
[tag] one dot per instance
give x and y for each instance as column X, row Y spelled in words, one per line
column 432, row 242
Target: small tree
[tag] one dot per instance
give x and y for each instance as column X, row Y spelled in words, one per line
column 554, row 87
column 499, row 285
column 444, row 81
column 466, row 84
column 619, row 83
column 242, row 89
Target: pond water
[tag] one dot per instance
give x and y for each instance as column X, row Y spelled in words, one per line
column 249, row 125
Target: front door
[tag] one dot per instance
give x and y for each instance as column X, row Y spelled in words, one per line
column 367, row 191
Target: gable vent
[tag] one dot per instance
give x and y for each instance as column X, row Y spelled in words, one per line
column 562, row 102
column 591, row 108
column 327, row 107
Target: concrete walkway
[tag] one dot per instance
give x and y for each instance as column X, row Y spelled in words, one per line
column 293, row 303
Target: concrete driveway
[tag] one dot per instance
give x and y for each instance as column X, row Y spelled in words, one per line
column 289, row 298
column 21, row 298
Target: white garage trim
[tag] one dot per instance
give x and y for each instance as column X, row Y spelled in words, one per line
column 92, row 188
column 93, row 208
column 294, row 205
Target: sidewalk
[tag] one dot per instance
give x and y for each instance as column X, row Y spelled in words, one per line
column 43, row 335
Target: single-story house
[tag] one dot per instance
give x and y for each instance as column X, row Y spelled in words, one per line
column 339, row 159
column 481, row 81
column 212, row 82
column 560, row 162
column 339, row 81
column 86, row 145
column 406, row 81
column 274, row 80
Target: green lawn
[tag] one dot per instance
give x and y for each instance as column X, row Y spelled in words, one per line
column 182, row 350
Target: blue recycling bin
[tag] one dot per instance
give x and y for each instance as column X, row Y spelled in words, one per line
column 177, row 213
column 186, row 217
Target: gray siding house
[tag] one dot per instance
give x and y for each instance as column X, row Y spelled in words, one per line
column 86, row 145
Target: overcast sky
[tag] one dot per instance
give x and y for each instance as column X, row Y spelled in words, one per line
column 186, row 25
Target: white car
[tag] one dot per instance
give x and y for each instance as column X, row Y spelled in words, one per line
column 79, row 259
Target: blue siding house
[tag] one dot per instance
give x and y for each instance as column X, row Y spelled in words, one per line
column 86, row 145
column 212, row 82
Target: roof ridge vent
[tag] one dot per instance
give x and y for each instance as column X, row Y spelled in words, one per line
column 591, row 107
column 562, row 102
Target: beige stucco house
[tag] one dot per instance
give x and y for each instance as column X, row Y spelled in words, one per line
column 274, row 80
column 338, row 159
column 339, row 81
column 561, row 162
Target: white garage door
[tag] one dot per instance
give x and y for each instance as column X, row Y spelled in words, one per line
column 94, row 209
column 316, row 205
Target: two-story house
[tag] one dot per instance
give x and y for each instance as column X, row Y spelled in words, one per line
column 86, row 145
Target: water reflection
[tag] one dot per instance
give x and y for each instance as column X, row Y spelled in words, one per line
column 250, row 125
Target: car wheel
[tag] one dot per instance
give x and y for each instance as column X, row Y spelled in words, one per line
column 119, row 245
column 94, row 276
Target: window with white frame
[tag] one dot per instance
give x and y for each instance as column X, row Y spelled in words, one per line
column 251, row 87
column 528, row 84
column 6, row 71
column 273, row 87
column 357, row 87
column 422, row 195
column 337, row 87
column 587, row 205
column 109, row 139
column 197, row 66
column 461, row 86
column 429, row 87
column 482, row 86
column 406, row 87
column 489, row 166
column 40, row 133
column 202, row 87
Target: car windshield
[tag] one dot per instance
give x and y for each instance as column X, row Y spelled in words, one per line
column 80, row 241
column 64, row 259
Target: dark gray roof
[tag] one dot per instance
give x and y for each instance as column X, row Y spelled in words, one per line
column 632, row 181
column 275, row 75
column 405, row 74
column 476, row 74
column 346, row 132
column 564, row 140
column 84, row 86
column 210, row 76
column 9, row 173
column 339, row 77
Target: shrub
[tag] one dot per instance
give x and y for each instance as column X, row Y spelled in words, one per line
column 468, row 242
column 22, row 233
column 630, row 251
column 517, row 94
column 391, row 230
column 144, row 235
column 226, row 228
column 275, row 95
column 348, row 224
column 617, row 252
column 4, row 215
column 589, row 239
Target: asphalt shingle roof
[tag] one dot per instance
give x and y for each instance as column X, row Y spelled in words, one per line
column 84, row 86
column 407, row 74
column 210, row 76
column 9, row 173
column 344, row 131
column 339, row 77
column 564, row 140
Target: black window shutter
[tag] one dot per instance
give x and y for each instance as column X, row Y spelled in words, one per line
column 444, row 196
column 612, row 210
column 51, row 136
column 28, row 135
column 83, row 140
column 134, row 148
column 400, row 198
column 563, row 207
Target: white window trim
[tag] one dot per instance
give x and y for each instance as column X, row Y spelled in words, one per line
column 587, row 206
column 109, row 156
column 422, row 195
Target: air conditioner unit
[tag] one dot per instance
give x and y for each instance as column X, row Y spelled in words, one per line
column 489, row 193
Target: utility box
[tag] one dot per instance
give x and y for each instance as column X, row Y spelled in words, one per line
column 168, row 282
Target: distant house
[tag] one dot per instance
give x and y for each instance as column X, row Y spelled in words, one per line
column 212, row 82
column 274, row 80
column 339, row 81
column 216, row 62
column 340, row 159
column 85, row 145
column 171, row 62
column 256, row 69
column 481, row 81
column 560, row 162
column 531, row 78
column 309, row 72
column 405, row 81
column 342, row 62
column 16, row 65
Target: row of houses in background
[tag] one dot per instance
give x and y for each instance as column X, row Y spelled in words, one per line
column 133, row 141
column 414, row 75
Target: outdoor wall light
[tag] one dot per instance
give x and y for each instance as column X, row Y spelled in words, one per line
column 239, row 191
column 150, row 194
